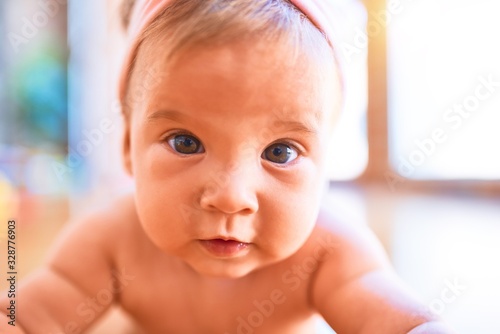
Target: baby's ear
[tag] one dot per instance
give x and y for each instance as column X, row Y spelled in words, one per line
column 126, row 149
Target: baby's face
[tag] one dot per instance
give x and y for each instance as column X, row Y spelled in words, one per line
column 228, row 151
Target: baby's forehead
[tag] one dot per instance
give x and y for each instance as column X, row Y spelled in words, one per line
column 247, row 70
column 241, row 79
column 198, row 25
column 250, row 57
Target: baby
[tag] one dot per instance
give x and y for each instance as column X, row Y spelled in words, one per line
column 228, row 109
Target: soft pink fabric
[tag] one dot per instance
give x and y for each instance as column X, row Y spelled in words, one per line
column 320, row 12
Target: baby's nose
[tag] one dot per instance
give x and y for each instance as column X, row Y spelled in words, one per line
column 231, row 191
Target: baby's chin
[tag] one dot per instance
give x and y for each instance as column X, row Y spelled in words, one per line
column 228, row 268
column 226, row 273
column 224, row 269
column 252, row 259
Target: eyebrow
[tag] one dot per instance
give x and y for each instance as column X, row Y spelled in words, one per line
column 295, row 126
column 289, row 125
column 165, row 114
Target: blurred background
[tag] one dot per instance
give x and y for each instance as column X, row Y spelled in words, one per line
column 416, row 155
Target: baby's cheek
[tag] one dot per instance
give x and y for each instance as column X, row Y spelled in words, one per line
column 161, row 226
column 285, row 233
column 310, row 178
column 164, row 203
column 287, row 218
column 160, row 163
column 167, row 178
column 304, row 201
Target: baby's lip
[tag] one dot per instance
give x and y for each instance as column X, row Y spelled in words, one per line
column 225, row 238
column 224, row 247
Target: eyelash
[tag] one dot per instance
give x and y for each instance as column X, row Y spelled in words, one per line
column 290, row 143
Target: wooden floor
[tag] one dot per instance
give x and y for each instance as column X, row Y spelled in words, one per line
column 446, row 247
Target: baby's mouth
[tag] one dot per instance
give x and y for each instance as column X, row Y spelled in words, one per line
column 224, row 248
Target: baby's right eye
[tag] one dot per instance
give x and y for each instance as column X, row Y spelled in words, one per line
column 185, row 144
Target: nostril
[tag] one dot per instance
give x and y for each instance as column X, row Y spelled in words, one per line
column 229, row 202
column 248, row 211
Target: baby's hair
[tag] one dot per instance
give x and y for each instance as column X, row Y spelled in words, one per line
column 193, row 23
column 126, row 12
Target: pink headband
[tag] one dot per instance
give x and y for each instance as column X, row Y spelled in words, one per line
column 321, row 12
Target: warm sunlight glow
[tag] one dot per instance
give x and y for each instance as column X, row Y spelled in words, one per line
column 444, row 90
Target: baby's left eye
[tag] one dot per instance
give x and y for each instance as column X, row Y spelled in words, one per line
column 185, row 144
column 280, row 153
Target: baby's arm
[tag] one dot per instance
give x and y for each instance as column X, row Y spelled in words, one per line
column 61, row 296
column 356, row 290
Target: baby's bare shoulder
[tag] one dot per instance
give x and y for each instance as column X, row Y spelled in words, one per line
column 344, row 249
column 97, row 239
column 107, row 224
column 355, row 287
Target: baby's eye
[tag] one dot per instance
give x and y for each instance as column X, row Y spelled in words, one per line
column 185, row 144
column 280, row 153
